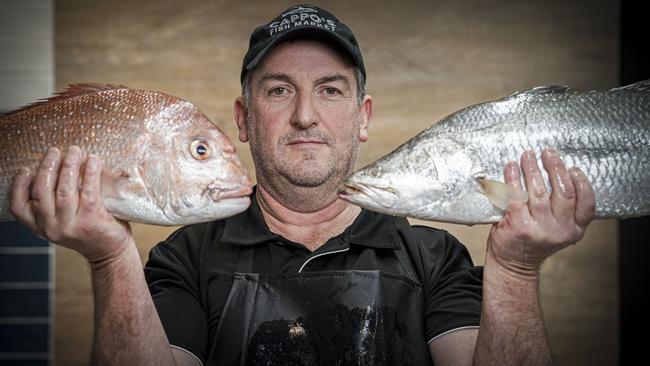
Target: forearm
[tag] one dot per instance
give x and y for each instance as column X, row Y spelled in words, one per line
column 127, row 327
column 53, row 205
column 512, row 329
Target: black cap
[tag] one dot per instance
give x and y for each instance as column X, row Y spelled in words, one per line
column 300, row 21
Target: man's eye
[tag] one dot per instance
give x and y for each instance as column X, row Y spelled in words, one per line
column 331, row 91
column 278, row 91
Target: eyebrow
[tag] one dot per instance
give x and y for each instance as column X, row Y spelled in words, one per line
column 336, row 77
column 278, row 76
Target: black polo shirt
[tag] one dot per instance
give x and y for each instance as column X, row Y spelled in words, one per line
column 190, row 273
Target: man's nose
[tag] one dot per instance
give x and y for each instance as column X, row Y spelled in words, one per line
column 305, row 114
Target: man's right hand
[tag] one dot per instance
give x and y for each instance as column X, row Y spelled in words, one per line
column 56, row 207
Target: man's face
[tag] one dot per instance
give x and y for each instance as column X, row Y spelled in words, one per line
column 304, row 122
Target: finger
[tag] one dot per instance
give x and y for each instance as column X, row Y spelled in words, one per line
column 20, row 204
column 538, row 196
column 516, row 209
column 90, row 199
column 585, row 197
column 562, row 191
column 43, row 187
column 67, row 189
column 512, row 174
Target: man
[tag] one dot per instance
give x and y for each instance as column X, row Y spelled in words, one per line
column 303, row 277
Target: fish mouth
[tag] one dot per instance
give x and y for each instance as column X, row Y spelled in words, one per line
column 360, row 193
column 219, row 191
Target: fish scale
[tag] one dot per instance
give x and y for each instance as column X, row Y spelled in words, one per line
column 612, row 173
column 145, row 139
column 604, row 133
column 55, row 125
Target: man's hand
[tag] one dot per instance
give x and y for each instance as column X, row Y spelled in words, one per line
column 548, row 222
column 54, row 206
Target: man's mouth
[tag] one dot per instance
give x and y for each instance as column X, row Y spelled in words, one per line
column 306, row 141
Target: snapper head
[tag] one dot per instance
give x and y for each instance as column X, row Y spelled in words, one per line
column 192, row 170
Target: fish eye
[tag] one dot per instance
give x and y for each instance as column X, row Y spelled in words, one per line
column 375, row 172
column 200, row 149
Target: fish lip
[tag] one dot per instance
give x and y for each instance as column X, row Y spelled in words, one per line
column 351, row 189
column 219, row 192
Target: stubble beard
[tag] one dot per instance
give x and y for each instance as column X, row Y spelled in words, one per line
column 309, row 171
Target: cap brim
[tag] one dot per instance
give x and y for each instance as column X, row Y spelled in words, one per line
column 297, row 33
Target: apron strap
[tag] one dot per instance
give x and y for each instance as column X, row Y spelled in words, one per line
column 409, row 252
column 410, row 258
column 405, row 259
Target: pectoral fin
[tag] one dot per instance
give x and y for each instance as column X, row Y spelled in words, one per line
column 121, row 186
column 501, row 194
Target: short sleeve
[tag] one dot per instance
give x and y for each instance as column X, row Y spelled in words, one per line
column 453, row 291
column 173, row 283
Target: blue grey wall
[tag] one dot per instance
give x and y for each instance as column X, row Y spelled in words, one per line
column 26, row 261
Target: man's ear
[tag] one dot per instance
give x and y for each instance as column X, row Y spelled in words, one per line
column 366, row 115
column 240, row 118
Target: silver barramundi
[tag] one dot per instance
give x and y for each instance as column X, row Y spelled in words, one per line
column 453, row 171
column 164, row 161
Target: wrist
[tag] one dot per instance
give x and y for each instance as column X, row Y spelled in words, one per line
column 510, row 269
column 121, row 252
column 508, row 288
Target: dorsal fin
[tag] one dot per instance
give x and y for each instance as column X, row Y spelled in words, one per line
column 641, row 86
column 73, row 90
column 541, row 90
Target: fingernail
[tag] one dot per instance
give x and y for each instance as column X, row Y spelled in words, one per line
column 532, row 157
column 52, row 151
column 24, row 171
column 73, row 154
column 531, row 161
column 52, row 158
column 511, row 169
column 91, row 164
column 550, row 153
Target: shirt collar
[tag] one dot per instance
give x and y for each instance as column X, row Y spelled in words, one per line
column 369, row 229
column 248, row 227
column 373, row 229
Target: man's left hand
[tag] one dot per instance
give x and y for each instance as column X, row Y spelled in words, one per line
column 549, row 221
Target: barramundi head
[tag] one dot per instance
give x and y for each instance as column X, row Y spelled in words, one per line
column 430, row 177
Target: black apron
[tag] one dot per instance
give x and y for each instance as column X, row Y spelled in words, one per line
column 321, row 318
